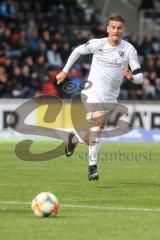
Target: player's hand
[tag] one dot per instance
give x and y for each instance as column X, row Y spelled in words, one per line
column 128, row 73
column 61, row 77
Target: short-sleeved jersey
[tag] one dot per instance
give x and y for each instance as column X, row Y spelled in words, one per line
column 108, row 62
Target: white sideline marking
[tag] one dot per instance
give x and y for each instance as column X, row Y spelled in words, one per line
column 89, row 206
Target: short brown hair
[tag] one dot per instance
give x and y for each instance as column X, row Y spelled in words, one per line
column 116, row 17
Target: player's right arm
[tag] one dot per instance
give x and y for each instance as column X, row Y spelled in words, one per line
column 61, row 77
column 84, row 49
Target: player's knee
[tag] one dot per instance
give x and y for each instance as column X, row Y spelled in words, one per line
column 100, row 123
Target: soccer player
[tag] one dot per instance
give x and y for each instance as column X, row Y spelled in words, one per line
column 111, row 58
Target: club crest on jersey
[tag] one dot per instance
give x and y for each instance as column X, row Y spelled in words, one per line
column 121, row 53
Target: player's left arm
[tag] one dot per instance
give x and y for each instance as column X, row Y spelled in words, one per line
column 135, row 74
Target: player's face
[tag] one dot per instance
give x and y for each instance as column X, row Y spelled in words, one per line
column 115, row 31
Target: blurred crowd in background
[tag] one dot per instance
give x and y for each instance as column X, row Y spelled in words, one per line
column 36, row 39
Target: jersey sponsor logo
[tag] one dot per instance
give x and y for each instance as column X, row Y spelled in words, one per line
column 107, row 63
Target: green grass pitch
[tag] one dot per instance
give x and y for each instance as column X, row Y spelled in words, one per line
column 123, row 205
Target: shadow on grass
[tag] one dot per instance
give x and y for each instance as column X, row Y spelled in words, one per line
column 106, row 187
column 142, row 184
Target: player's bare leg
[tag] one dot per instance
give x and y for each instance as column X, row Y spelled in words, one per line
column 92, row 138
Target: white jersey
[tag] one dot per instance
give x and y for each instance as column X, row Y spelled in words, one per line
column 108, row 62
